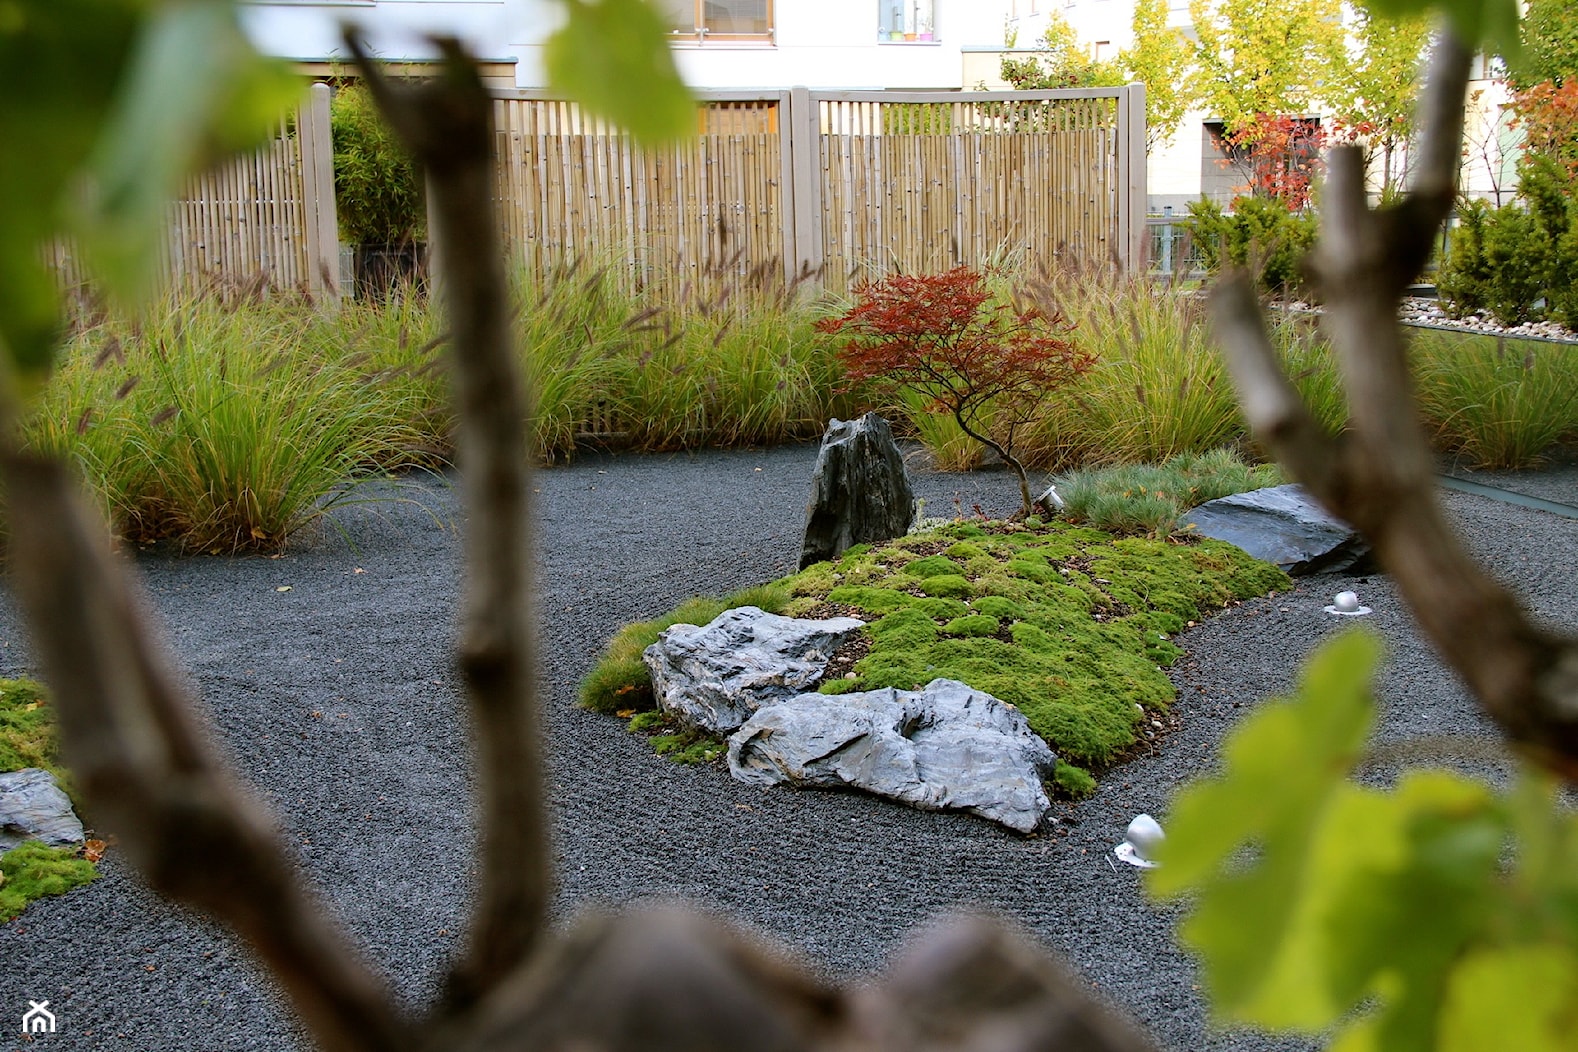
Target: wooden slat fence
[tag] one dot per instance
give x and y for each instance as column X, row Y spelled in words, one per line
column 573, row 187
column 835, row 184
column 925, row 182
column 266, row 216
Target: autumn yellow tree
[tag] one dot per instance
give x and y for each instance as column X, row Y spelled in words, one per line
column 1262, row 56
column 1374, row 88
column 1161, row 58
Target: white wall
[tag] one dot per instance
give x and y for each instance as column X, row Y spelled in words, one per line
column 817, row 43
column 394, row 29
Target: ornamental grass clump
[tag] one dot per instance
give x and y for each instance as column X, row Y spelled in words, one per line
column 1156, row 386
column 991, row 365
column 226, row 425
column 1497, row 402
column 1149, row 498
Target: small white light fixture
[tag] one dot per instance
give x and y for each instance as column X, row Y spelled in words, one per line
column 1346, row 604
column 1142, row 838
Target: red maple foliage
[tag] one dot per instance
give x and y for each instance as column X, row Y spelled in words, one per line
column 1548, row 115
column 1281, row 155
column 991, row 365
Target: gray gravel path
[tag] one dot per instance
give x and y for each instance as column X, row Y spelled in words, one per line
column 338, row 701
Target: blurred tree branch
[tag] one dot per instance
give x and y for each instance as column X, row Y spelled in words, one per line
column 1379, row 474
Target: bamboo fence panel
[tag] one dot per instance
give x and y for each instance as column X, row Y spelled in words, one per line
column 243, row 221
column 572, row 188
column 836, row 184
column 924, row 186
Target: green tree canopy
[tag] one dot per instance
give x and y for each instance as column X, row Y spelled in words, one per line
column 1374, row 84
column 1262, row 56
column 1160, row 58
column 1550, row 45
column 1061, row 61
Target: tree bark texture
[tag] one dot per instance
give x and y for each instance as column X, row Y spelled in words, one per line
column 1379, row 473
column 650, row 979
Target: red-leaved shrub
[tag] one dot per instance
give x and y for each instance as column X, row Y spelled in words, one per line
column 940, row 335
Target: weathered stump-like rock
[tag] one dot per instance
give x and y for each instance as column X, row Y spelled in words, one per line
column 1282, row 525
column 33, row 807
column 718, row 674
column 860, row 492
column 945, row 747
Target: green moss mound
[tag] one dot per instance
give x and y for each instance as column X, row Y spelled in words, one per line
column 27, row 729
column 1068, row 623
column 27, row 739
column 32, row 870
column 619, row 683
column 681, row 743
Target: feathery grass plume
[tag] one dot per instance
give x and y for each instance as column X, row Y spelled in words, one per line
column 226, row 422
column 1158, row 388
column 738, row 362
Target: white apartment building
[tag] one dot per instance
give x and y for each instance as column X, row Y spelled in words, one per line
column 1189, row 165
column 897, row 44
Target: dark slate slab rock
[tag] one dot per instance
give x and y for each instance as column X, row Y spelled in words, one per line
column 717, row 675
column 33, row 807
column 944, row 747
column 1282, row 525
column 860, row 491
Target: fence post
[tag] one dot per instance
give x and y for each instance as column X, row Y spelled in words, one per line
column 1132, row 147
column 803, row 203
column 317, row 178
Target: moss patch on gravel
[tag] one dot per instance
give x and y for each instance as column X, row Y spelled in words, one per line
column 27, row 739
column 619, row 684
column 1067, row 623
column 32, row 870
column 27, row 730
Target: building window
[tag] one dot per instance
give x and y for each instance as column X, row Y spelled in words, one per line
column 720, row 19
column 906, row 20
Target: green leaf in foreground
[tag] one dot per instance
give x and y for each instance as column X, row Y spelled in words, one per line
column 1478, row 22
column 1316, row 895
column 613, row 57
column 1284, row 768
column 195, row 91
column 60, row 60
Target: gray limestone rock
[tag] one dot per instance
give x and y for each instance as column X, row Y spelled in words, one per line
column 33, row 807
column 1282, row 525
column 860, row 492
column 944, row 747
column 718, row 674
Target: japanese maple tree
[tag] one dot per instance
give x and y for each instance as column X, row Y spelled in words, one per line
column 1548, row 114
column 991, row 365
column 1280, row 155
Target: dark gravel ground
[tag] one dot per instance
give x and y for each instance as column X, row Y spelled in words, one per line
column 338, row 701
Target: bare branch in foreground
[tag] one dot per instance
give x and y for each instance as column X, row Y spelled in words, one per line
column 652, row 979
column 446, row 123
column 1380, row 474
column 151, row 775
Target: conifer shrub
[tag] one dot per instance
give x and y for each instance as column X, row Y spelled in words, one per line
column 1259, row 233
